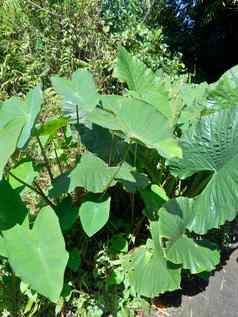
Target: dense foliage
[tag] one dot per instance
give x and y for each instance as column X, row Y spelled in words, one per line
column 168, row 145
column 117, row 175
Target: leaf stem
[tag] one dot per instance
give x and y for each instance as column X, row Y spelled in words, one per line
column 118, row 168
column 37, row 190
column 57, row 158
column 47, row 164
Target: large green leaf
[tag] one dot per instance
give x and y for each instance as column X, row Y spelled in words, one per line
column 80, row 91
column 12, row 209
column 94, row 214
column 134, row 72
column 149, row 272
column 224, row 93
column 38, row 255
column 212, row 145
column 138, row 121
column 9, row 135
column 175, row 218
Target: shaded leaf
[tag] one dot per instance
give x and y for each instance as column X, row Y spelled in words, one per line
column 12, row 208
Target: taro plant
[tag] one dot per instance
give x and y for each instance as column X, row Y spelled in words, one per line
column 169, row 144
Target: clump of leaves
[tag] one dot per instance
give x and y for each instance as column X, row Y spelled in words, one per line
column 139, row 154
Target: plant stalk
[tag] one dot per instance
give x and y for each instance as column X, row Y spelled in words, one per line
column 47, row 164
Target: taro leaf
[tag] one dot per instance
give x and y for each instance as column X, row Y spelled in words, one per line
column 212, row 145
column 31, row 109
column 24, row 110
column 51, row 127
column 38, row 255
column 153, row 198
column 9, row 135
column 67, row 213
column 130, row 179
column 94, row 213
column 80, row 91
column 137, row 121
column 12, row 209
column 134, row 72
column 149, row 272
column 74, row 260
column 25, row 172
column 175, row 217
column 3, row 251
column 224, row 93
column 102, row 143
column 91, row 173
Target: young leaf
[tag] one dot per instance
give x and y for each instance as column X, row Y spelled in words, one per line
column 94, row 214
column 12, row 209
column 9, row 134
column 38, row 255
column 175, row 217
column 212, row 145
column 149, row 272
column 51, row 127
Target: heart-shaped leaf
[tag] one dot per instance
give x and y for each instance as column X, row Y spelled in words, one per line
column 38, row 255
column 94, row 214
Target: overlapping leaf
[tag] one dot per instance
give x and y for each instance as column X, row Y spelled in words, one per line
column 212, row 145
column 9, row 135
column 38, row 255
column 80, row 94
column 25, row 172
column 26, row 111
column 149, row 272
column 138, row 121
column 223, row 94
column 175, row 217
